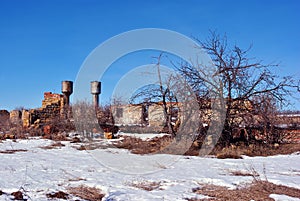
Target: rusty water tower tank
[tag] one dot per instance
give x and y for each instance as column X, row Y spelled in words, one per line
column 67, row 90
column 95, row 91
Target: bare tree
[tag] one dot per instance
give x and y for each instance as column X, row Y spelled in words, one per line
column 154, row 94
column 85, row 118
column 242, row 81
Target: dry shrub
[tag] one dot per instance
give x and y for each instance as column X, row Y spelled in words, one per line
column 53, row 146
column 87, row 193
column 59, row 195
column 257, row 190
column 146, row 185
column 35, row 132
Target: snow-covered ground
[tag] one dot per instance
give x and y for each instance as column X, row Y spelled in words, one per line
column 39, row 171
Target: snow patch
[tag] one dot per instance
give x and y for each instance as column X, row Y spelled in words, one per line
column 277, row 197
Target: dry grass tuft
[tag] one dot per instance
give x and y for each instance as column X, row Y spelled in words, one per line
column 87, row 193
column 59, row 195
column 76, row 179
column 244, row 173
column 258, row 190
column 54, row 146
column 146, row 185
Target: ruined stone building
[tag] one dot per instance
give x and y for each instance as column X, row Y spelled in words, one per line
column 152, row 115
column 53, row 106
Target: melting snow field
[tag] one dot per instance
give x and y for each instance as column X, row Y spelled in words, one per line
column 39, row 171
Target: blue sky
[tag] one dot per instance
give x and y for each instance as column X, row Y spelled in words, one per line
column 43, row 42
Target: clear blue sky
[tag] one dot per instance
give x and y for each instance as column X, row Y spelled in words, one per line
column 43, row 42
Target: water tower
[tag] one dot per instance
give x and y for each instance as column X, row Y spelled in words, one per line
column 67, row 90
column 95, row 91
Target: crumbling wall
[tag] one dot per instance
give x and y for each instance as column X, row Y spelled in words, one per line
column 156, row 117
column 26, row 118
column 128, row 114
column 52, row 107
column 15, row 116
column 55, row 101
column 153, row 115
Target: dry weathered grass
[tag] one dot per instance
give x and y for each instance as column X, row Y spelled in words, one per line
column 228, row 155
column 76, row 179
column 87, row 193
column 244, row 173
column 53, row 146
column 258, row 190
column 138, row 146
column 92, row 146
column 257, row 149
column 59, row 195
column 12, row 151
column 146, row 185
column 235, row 151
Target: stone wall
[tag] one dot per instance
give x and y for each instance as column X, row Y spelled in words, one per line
column 52, row 107
column 55, row 100
column 15, row 116
column 156, row 116
column 128, row 114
